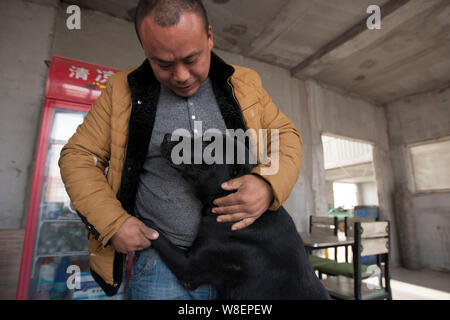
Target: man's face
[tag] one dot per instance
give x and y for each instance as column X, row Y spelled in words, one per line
column 180, row 55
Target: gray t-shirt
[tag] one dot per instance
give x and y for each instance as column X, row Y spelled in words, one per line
column 163, row 196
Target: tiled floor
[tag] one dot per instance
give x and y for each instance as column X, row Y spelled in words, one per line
column 420, row 285
column 10, row 255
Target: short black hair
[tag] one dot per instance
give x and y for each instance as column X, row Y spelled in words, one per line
column 167, row 13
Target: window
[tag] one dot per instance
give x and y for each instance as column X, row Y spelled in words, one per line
column 430, row 164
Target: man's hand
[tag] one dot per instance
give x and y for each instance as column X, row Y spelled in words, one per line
column 248, row 203
column 133, row 235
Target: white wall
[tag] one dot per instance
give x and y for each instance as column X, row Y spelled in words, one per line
column 420, row 118
column 102, row 39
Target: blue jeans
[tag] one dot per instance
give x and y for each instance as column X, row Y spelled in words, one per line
column 151, row 279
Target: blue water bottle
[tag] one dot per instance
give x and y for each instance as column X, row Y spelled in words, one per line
column 60, row 284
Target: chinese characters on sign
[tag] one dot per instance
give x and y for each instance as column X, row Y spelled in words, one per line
column 83, row 74
column 103, row 76
column 79, row 73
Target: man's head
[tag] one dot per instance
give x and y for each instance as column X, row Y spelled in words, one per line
column 177, row 40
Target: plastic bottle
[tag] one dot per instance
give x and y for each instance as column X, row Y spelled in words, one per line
column 59, row 285
column 46, row 276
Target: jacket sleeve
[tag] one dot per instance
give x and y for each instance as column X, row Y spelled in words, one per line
column 284, row 149
column 82, row 163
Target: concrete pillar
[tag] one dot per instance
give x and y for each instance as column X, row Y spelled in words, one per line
column 407, row 231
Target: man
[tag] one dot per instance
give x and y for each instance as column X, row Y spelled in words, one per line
column 182, row 81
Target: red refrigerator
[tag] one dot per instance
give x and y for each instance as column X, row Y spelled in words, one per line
column 55, row 255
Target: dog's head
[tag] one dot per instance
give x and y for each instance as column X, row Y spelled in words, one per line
column 207, row 164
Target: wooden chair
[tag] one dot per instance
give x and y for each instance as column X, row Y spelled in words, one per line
column 371, row 238
column 349, row 225
column 325, row 226
column 346, row 268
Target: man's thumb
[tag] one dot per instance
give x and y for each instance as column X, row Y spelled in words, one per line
column 150, row 233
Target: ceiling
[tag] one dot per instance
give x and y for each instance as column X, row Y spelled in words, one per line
column 330, row 42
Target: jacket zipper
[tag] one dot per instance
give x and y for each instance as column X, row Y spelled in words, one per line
column 232, row 91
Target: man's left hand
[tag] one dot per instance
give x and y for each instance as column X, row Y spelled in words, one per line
column 248, row 203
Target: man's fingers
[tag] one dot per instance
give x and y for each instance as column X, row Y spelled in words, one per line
column 244, row 223
column 144, row 245
column 228, row 210
column 229, row 200
column 232, row 184
column 232, row 217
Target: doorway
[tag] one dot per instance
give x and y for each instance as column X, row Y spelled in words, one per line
column 349, row 178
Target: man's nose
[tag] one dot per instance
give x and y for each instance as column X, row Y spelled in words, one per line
column 181, row 74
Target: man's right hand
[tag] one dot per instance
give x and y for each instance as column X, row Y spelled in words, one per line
column 133, row 235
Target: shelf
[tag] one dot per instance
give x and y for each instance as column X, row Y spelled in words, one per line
column 63, row 254
column 56, row 141
column 61, row 220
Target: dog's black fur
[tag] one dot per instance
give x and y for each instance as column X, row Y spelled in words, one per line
column 266, row 260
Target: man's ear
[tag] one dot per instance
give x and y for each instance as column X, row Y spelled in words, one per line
column 210, row 38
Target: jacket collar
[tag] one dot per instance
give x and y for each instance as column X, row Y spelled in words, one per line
column 219, row 71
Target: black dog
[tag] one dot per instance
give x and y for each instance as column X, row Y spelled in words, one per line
column 266, row 260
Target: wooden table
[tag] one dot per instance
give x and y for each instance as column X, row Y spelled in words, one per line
column 321, row 241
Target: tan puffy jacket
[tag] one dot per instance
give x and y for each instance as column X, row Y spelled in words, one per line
column 114, row 135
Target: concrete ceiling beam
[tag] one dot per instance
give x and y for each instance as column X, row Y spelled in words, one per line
column 393, row 14
column 285, row 19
